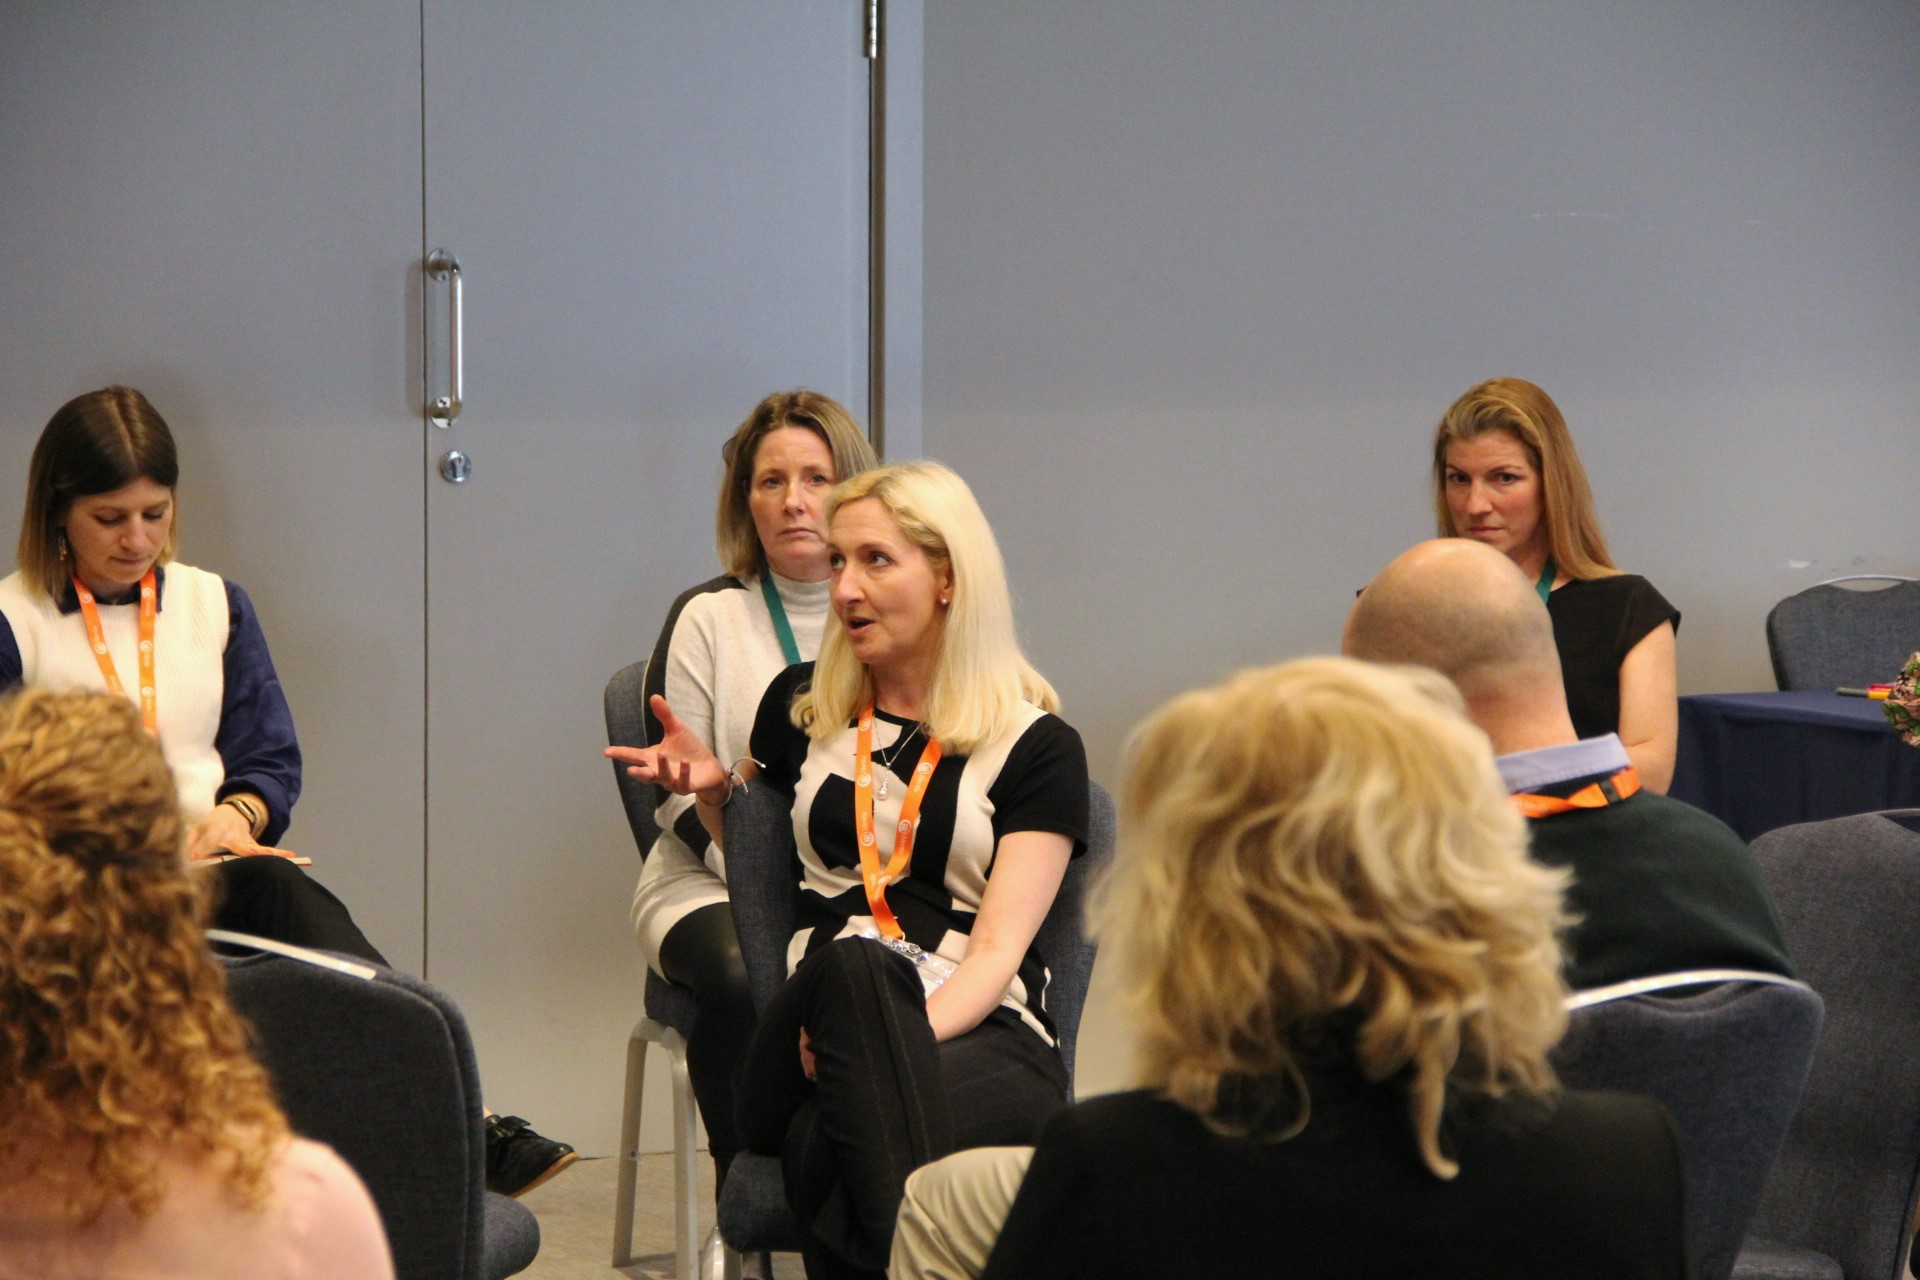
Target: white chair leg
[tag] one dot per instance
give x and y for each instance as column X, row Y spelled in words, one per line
column 629, row 1148
column 713, row 1262
column 686, row 1158
column 686, row 1150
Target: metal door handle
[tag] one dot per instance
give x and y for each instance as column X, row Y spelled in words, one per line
column 442, row 265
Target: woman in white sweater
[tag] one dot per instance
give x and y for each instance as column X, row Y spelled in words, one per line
column 724, row 641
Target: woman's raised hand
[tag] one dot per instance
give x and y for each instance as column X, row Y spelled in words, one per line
column 681, row 763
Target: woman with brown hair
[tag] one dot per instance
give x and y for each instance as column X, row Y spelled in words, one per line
column 96, row 601
column 99, row 602
column 1505, row 473
column 137, row 1134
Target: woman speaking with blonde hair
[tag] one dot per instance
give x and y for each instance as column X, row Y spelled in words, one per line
column 137, row 1134
column 936, row 801
column 1505, row 473
column 1345, row 976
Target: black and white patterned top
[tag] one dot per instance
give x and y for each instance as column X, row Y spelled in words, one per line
column 1034, row 778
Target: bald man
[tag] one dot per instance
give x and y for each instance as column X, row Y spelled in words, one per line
column 1660, row 886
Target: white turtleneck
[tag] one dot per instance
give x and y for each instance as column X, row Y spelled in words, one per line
column 719, row 651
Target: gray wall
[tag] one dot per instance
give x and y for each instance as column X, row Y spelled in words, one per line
column 1200, row 278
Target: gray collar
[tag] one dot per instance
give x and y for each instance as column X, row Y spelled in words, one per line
column 1544, row 766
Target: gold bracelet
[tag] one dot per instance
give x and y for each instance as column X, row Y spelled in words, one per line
column 256, row 818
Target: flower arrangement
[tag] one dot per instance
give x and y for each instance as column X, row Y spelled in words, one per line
column 1903, row 702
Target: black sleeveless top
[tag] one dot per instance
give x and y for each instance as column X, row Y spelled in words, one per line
column 1596, row 623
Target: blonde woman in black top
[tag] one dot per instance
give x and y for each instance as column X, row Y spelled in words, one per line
column 937, row 800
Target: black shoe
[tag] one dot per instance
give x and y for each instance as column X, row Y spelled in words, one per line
column 518, row 1159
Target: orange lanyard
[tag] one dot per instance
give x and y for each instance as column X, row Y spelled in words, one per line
column 1595, row 795
column 871, row 873
column 97, row 636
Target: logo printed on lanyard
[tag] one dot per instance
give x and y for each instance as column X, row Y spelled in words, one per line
column 875, row 877
column 97, row 637
column 1595, row 795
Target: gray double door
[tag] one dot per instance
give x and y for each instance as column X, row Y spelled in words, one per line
column 660, row 213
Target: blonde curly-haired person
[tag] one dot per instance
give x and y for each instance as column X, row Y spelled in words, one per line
column 138, row 1137
column 1345, row 975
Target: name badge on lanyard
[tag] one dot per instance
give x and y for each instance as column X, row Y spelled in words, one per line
column 97, row 637
column 875, row 877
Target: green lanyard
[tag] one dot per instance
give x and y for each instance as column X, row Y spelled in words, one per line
column 1544, row 586
column 781, row 626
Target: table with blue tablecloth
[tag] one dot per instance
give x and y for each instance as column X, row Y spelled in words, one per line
column 1763, row 760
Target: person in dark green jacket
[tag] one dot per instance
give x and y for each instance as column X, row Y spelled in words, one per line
column 1658, row 885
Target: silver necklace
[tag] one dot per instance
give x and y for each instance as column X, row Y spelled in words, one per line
column 898, row 748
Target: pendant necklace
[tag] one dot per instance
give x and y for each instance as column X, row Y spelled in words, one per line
column 898, row 748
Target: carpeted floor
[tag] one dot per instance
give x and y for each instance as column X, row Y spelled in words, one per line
column 576, row 1223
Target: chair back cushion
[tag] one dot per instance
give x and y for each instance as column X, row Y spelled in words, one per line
column 763, row 879
column 1062, row 941
column 626, row 710
column 1728, row 1061
column 1829, row 637
column 382, row 1071
column 1848, row 890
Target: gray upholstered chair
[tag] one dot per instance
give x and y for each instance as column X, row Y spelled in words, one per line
column 1839, row 1204
column 378, row 1066
column 668, row 1017
column 1829, row 637
column 1726, row 1052
column 754, row 1216
column 625, row 706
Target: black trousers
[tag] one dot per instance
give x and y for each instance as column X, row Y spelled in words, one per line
column 702, row 952
column 269, row 897
column 886, row 1097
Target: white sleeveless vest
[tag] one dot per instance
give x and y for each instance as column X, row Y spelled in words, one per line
column 189, row 641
